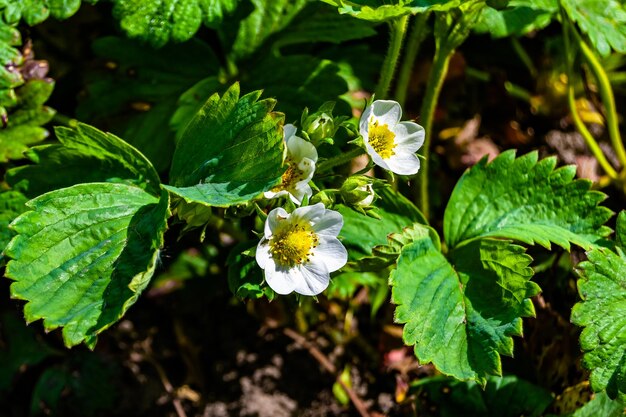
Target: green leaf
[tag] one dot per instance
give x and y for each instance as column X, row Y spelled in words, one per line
column 68, row 388
column 163, row 21
column 297, row 81
column 603, row 21
column 601, row 405
column 507, row 396
column 461, row 315
column 361, row 233
column 83, row 255
column 245, row 279
column 12, row 204
column 520, row 18
column 137, row 98
column 525, row 200
column 20, row 348
column 36, row 11
column 26, row 116
column 230, row 152
column 267, row 18
column 85, row 155
column 320, row 23
column 602, row 313
column 383, row 10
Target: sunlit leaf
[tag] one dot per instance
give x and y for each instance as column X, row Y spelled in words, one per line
column 162, row 21
column 85, row 155
column 461, row 313
column 230, row 152
column 525, row 200
column 602, row 313
column 83, row 254
column 603, row 21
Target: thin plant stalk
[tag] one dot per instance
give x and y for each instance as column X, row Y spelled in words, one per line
column 339, row 159
column 608, row 99
column 398, row 30
column 571, row 101
column 433, row 89
column 419, row 32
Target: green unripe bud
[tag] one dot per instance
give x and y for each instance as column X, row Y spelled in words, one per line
column 358, row 190
column 323, row 197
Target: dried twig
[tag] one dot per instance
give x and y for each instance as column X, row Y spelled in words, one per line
column 330, row 367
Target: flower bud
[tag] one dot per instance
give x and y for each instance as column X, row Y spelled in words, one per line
column 320, row 128
column 358, row 191
column 323, row 197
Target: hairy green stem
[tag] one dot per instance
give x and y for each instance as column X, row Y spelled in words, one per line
column 571, row 101
column 433, row 89
column 419, row 31
column 608, row 99
column 339, row 159
column 398, row 29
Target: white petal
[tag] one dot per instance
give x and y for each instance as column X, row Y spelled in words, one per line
column 404, row 163
column 299, row 148
column 331, row 253
column 329, row 224
column 315, row 279
column 297, row 193
column 288, row 131
column 263, row 255
column 378, row 160
column 282, row 280
column 274, row 194
column 409, row 135
column 310, row 213
column 387, row 112
column 307, row 166
column 273, row 218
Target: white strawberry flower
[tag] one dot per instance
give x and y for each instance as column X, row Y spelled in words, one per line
column 301, row 160
column 298, row 251
column 391, row 143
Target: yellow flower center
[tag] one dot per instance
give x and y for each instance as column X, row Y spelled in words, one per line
column 292, row 244
column 290, row 177
column 381, row 139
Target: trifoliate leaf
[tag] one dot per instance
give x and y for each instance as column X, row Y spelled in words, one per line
column 136, row 96
column 461, row 315
column 601, row 405
column 525, row 200
column 83, row 255
column 85, row 155
column 12, row 204
column 382, row 10
column 603, row 21
column 520, row 18
column 162, row 21
column 20, row 348
column 230, row 152
column 602, row 313
column 507, row 396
